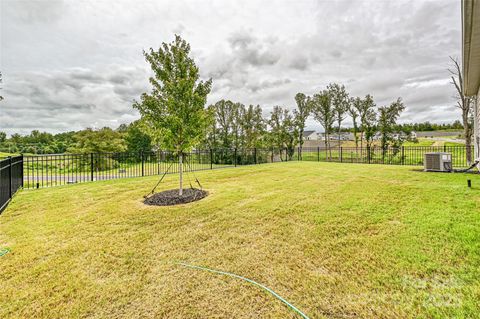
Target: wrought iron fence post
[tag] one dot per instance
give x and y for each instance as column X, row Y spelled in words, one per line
column 403, row 155
column 318, row 153
column 368, row 154
column 91, row 167
column 10, row 177
column 341, row 154
column 272, row 156
column 235, row 154
column 143, row 163
column 21, row 167
column 255, row 155
column 211, row 158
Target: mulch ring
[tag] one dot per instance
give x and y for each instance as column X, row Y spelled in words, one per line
column 171, row 197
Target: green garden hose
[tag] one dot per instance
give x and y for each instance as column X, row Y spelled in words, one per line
column 250, row 281
column 4, row 251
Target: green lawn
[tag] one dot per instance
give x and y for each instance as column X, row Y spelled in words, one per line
column 4, row 154
column 422, row 142
column 335, row 240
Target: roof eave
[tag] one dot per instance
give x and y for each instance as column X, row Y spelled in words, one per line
column 471, row 46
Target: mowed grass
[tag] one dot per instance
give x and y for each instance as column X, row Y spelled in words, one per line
column 336, row 240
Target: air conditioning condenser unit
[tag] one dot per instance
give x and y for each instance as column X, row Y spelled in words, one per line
column 438, row 162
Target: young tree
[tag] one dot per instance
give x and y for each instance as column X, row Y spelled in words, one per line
column 176, row 105
column 340, row 104
column 321, row 106
column 353, row 109
column 465, row 104
column 387, row 119
column 301, row 115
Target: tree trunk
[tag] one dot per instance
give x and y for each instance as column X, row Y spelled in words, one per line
column 467, row 131
column 338, row 133
column 355, row 129
column 180, row 170
column 300, row 142
column 329, row 147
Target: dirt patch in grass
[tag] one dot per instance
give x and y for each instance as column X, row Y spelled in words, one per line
column 171, row 197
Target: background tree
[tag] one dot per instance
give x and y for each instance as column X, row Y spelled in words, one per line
column 253, row 127
column 301, row 114
column 353, row 109
column 465, row 104
column 283, row 131
column 387, row 120
column 365, row 113
column 211, row 131
column 104, row 140
column 238, row 111
column 224, row 116
column 323, row 112
column 340, row 104
column 136, row 139
column 176, row 105
column 368, row 118
column 3, row 137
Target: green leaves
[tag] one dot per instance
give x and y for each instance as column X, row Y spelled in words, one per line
column 284, row 132
column 322, row 110
column 301, row 114
column 176, row 105
column 104, row 140
column 387, row 119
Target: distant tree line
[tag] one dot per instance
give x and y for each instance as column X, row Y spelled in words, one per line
column 282, row 130
column 133, row 139
column 126, row 138
column 422, row 127
column 233, row 125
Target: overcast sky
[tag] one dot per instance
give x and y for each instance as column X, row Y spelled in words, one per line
column 69, row 65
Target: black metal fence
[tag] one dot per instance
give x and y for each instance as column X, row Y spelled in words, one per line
column 404, row 155
column 59, row 169
column 11, row 179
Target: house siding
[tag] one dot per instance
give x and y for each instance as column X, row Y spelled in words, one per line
column 476, row 127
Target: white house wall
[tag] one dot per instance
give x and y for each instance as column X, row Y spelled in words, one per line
column 476, row 127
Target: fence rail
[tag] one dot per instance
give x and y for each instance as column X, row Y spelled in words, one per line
column 11, row 179
column 59, row 169
column 404, row 155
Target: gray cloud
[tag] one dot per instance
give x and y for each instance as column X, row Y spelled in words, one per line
column 69, row 65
